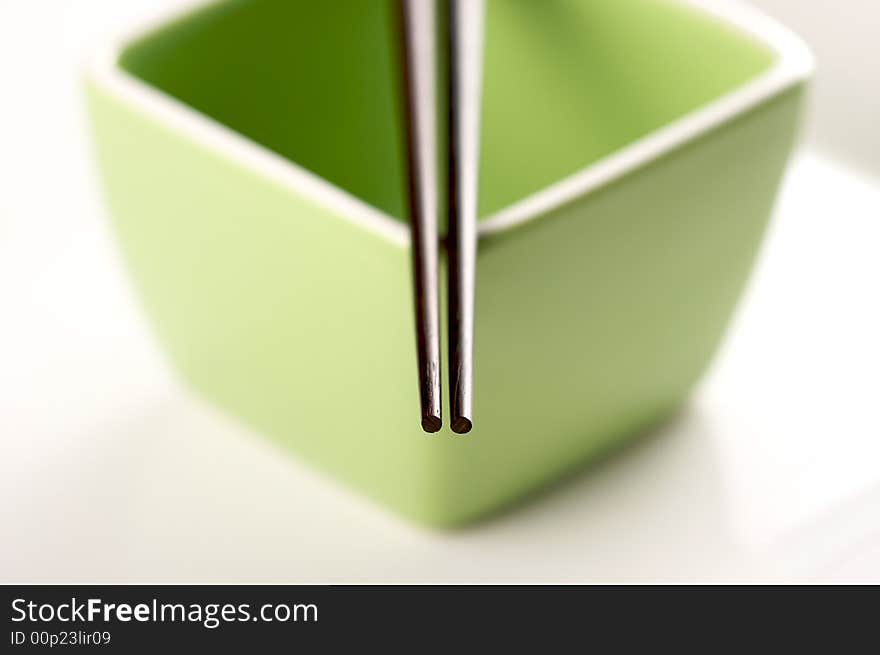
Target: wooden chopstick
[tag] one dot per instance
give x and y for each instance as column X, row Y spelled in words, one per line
column 465, row 35
column 417, row 22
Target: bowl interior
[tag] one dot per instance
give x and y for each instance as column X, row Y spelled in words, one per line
column 566, row 82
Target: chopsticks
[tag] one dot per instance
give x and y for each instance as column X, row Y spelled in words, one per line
column 465, row 28
column 418, row 24
column 465, row 76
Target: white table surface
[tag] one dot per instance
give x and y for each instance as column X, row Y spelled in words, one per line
column 110, row 471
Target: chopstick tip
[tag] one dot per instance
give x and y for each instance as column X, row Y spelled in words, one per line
column 461, row 425
column 431, row 423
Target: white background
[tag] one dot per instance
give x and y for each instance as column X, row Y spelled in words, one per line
column 110, row 471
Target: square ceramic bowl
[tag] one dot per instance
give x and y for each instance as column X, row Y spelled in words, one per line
column 631, row 151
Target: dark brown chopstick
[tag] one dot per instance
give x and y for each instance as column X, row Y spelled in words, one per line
column 465, row 78
column 417, row 28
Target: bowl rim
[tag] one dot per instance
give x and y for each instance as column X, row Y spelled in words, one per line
column 793, row 64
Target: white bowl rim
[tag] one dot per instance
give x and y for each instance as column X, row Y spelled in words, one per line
column 794, row 64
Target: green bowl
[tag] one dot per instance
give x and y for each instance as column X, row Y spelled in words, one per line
column 631, row 151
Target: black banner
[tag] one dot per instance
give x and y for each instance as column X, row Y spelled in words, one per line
column 178, row 618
